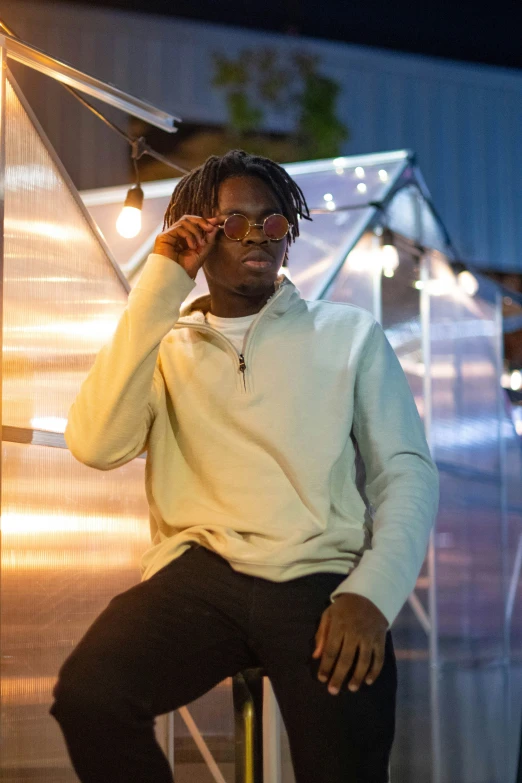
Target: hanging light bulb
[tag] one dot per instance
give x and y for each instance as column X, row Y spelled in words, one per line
column 515, row 380
column 128, row 224
column 389, row 254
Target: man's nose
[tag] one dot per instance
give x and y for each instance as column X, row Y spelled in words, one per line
column 256, row 236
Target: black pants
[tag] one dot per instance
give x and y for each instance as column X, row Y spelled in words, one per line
column 173, row 637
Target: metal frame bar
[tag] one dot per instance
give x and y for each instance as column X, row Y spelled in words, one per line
column 108, row 93
column 201, row 744
column 436, row 740
column 504, row 532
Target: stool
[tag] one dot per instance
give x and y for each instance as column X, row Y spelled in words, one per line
column 247, row 694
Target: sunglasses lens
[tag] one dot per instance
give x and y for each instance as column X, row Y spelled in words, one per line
column 276, row 227
column 236, row 227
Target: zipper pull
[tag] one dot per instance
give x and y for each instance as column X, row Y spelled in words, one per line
column 242, row 367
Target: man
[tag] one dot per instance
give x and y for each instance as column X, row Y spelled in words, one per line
column 254, row 406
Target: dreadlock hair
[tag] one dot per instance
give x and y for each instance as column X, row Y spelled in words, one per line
column 197, row 192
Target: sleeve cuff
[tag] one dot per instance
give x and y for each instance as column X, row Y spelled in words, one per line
column 386, row 600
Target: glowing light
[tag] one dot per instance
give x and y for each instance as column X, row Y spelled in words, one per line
column 383, row 175
column 434, row 287
column 437, row 287
column 42, row 524
column 330, row 205
column 515, row 380
column 339, row 170
column 468, row 282
column 361, row 187
column 339, row 161
column 328, row 197
column 359, row 172
column 390, row 259
column 128, row 224
column 49, row 424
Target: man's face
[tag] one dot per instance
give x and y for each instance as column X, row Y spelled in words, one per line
column 225, row 265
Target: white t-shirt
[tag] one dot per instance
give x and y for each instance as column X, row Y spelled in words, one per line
column 233, row 328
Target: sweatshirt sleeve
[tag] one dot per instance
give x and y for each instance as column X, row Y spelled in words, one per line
column 402, row 481
column 109, row 421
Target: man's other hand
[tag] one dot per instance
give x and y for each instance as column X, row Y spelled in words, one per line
column 352, row 627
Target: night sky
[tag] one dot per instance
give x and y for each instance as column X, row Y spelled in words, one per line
column 460, row 30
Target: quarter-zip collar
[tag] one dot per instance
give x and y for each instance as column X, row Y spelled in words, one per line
column 285, row 297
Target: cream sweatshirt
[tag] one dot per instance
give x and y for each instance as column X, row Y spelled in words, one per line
column 302, row 453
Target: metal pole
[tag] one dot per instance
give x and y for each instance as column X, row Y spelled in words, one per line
column 436, row 745
column 508, row 755
column 376, row 280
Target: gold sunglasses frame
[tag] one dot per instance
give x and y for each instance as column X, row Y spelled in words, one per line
column 255, row 225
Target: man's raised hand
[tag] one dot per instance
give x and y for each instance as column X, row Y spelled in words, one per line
column 188, row 241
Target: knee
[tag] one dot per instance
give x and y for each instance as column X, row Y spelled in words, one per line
column 79, row 696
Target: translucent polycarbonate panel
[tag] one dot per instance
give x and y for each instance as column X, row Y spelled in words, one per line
column 411, row 758
column 470, row 541
column 328, row 238
column 408, row 213
column 347, row 181
column 62, row 296
column 464, row 337
column 71, row 540
column 356, row 283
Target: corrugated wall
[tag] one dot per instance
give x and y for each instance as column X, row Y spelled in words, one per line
column 463, row 121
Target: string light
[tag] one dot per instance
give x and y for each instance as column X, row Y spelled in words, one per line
column 128, row 224
column 468, row 282
column 388, row 253
column 515, row 380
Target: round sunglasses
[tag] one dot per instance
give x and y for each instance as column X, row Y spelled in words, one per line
column 238, row 226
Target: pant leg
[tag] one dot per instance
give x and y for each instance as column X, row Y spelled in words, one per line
column 156, row 647
column 345, row 738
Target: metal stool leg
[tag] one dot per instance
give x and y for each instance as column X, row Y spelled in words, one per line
column 247, row 691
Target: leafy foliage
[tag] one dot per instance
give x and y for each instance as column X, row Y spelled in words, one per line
column 262, row 81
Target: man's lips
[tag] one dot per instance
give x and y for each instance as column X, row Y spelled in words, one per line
column 258, row 260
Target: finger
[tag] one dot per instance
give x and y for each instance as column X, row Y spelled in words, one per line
column 194, row 229
column 377, row 664
column 329, row 656
column 361, row 670
column 187, row 235
column 343, row 666
column 205, row 224
column 320, row 636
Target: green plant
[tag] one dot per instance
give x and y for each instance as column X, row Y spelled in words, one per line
column 259, row 81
